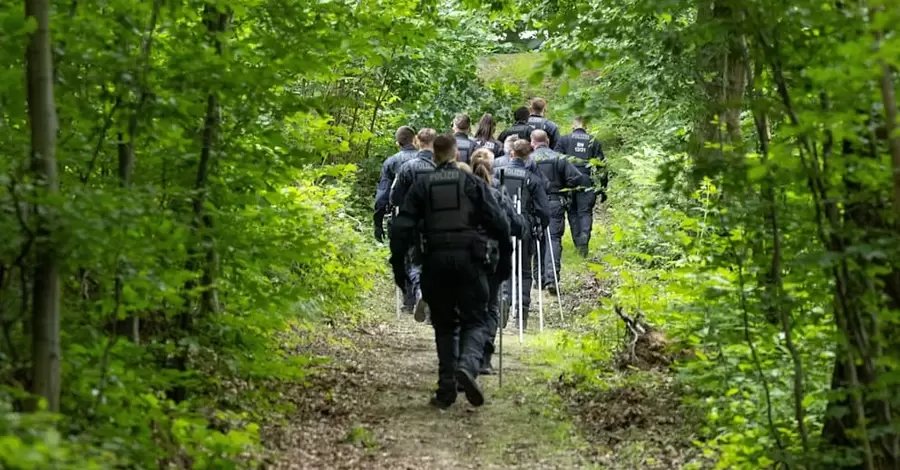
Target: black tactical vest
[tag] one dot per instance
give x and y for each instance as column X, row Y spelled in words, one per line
column 447, row 208
column 547, row 161
column 522, row 130
column 516, row 178
column 465, row 146
column 402, row 157
column 421, row 167
column 491, row 145
column 579, row 146
column 538, row 122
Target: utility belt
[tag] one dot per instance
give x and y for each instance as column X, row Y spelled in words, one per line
column 484, row 251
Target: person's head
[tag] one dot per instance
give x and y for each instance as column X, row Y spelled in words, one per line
column 520, row 114
column 578, row 122
column 404, row 136
column 464, row 167
column 509, row 142
column 483, row 164
column 426, row 138
column 538, row 106
column 486, row 127
column 444, row 149
column 462, row 123
column 539, row 138
column 521, row 149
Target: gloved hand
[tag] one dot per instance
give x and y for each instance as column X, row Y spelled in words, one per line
column 538, row 232
column 401, row 278
column 378, row 220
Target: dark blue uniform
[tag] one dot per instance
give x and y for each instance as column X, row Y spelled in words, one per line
column 459, row 216
column 411, row 171
column 389, row 171
column 466, row 146
column 517, row 225
column 537, row 216
column 494, row 146
column 546, row 125
column 521, row 129
column 583, row 148
column 560, row 176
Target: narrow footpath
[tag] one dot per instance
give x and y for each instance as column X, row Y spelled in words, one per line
column 368, row 409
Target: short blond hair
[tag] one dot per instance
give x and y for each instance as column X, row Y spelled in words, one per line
column 538, row 105
column 426, row 136
column 522, row 148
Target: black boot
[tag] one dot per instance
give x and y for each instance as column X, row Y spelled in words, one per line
column 473, row 391
column 486, row 367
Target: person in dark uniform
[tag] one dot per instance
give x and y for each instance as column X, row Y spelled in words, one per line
column 464, row 144
column 404, row 138
column 538, row 121
column 560, row 176
column 506, row 159
column 458, row 215
column 482, row 168
column 414, row 169
column 484, row 136
column 583, row 148
column 521, row 128
column 534, row 209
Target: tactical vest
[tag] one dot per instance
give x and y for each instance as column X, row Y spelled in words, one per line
column 516, row 178
column 400, row 158
column 538, row 122
column 465, row 146
column 491, row 145
column 547, row 161
column 522, row 130
column 578, row 146
column 448, row 211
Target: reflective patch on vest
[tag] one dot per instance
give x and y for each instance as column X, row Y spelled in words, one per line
column 465, row 148
column 538, row 123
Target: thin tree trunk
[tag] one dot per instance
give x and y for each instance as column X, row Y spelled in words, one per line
column 202, row 221
column 43, row 122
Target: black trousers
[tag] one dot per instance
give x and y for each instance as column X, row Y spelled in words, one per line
column 493, row 319
column 581, row 218
column 527, row 255
column 456, row 289
column 553, row 263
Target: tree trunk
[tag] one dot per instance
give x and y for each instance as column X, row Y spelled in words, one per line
column 202, row 221
column 46, row 291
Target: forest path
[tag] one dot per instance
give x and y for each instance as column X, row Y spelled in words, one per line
column 368, row 409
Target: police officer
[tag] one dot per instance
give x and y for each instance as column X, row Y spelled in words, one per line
column 484, row 136
column 415, row 168
column 507, row 158
column 538, row 121
column 534, row 208
column 521, row 128
column 404, row 138
column 459, row 215
column 482, row 168
column 464, row 144
column 559, row 175
column 583, row 148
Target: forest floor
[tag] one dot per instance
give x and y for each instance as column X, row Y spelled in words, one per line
column 367, row 408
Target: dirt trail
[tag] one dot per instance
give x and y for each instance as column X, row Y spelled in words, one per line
column 369, row 409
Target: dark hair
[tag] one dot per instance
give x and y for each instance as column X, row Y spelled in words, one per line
column 522, row 148
column 405, row 135
column 521, row 114
column 486, row 128
column 444, row 148
column 538, row 105
column 462, row 122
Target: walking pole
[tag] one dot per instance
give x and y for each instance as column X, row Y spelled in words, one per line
column 540, row 288
column 521, row 275
column 556, row 281
column 397, row 290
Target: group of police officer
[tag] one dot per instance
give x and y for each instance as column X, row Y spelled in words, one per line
column 453, row 230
